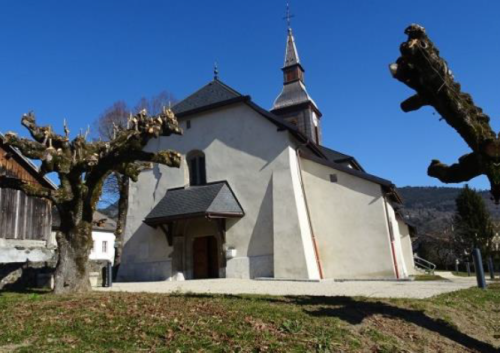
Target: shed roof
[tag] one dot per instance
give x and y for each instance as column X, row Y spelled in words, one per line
column 28, row 163
column 211, row 200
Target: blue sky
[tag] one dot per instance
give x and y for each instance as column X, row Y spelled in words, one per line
column 72, row 59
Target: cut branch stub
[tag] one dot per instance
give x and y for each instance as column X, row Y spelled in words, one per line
column 421, row 68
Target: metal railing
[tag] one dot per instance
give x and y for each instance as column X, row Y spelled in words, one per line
column 423, row 264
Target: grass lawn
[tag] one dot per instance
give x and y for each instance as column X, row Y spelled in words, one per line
column 428, row 277
column 463, row 321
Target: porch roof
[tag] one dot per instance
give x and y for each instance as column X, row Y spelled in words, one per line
column 215, row 200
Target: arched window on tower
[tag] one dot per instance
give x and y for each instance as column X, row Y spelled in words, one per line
column 197, row 170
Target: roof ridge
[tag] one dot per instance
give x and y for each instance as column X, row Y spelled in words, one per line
column 29, row 162
column 230, row 89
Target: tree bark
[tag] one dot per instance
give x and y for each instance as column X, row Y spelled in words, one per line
column 124, row 183
column 74, row 246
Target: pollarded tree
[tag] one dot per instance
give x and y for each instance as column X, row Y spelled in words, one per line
column 422, row 69
column 116, row 186
column 473, row 226
column 82, row 167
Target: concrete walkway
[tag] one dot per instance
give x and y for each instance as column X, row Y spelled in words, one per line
column 375, row 289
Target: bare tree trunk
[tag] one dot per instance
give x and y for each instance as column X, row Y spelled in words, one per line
column 124, row 182
column 72, row 271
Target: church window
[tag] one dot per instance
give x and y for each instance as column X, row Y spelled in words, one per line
column 316, row 134
column 197, row 169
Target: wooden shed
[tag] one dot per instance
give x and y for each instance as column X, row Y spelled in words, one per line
column 22, row 217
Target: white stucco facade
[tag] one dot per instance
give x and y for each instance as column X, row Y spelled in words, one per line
column 297, row 223
column 104, row 246
column 349, row 223
column 244, row 149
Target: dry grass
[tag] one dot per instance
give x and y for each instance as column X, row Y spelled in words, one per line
column 463, row 321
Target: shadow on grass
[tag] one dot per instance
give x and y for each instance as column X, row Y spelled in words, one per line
column 355, row 311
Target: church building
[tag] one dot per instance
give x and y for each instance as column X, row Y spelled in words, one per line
column 259, row 196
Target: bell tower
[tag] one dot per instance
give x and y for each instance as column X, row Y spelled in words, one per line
column 294, row 104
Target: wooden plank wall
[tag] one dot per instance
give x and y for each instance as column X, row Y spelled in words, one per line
column 12, row 167
column 21, row 216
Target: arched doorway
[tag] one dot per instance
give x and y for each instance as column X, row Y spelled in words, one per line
column 205, row 258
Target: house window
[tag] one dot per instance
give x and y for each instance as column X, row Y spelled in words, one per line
column 197, row 170
column 188, row 124
column 104, row 247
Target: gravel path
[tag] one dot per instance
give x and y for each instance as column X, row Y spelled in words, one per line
column 376, row 289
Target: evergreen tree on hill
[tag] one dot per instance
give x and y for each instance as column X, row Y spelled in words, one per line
column 473, row 225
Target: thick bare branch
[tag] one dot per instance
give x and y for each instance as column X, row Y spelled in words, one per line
column 421, row 68
column 43, row 134
column 468, row 167
column 28, row 148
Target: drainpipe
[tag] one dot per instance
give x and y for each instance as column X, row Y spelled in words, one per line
column 316, row 251
column 391, row 238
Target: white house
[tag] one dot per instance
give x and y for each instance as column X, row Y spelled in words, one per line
column 258, row 195
column 104, row 238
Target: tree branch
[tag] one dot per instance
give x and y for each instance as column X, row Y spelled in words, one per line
column 421, row 68
column 28, row 148
column 468, row 167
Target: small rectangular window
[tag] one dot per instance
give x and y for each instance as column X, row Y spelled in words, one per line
column 333, row 178
column 188, row 124
column 104, row 247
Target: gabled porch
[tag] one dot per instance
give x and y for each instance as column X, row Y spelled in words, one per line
column 193, row 220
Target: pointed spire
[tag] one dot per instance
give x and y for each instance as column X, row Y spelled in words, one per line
column 291, row 54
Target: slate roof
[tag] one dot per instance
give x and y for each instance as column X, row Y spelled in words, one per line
column 215, row 92
column 338, row 157
column 103, row 222
column 100, row 221
column 293, row 93
column 334, row 156
column 214, row 199
column 29, row 163
column 291, row 54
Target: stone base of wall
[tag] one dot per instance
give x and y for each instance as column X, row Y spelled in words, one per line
column 145, row 271
column 22, row 276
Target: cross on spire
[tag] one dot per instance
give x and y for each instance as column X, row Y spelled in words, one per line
column 216, row 71
column 288, row 17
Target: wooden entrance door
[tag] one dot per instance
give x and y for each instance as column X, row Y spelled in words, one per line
column 205, row 258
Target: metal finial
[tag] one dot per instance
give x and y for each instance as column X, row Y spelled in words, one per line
column 216, row 71
column 288, row 17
